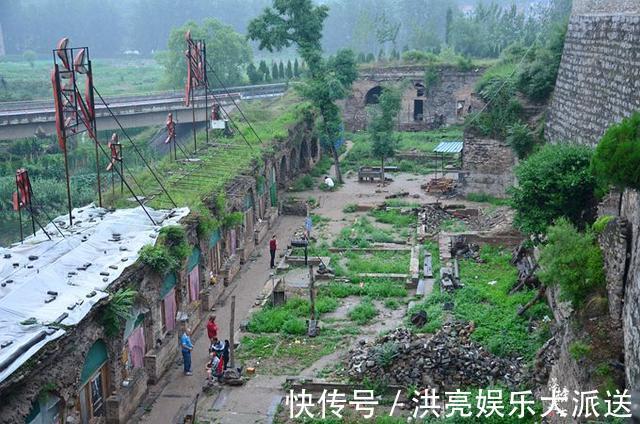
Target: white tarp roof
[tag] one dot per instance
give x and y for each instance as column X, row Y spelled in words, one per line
column 23, row 288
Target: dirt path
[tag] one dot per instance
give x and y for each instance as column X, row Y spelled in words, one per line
column 256, row 402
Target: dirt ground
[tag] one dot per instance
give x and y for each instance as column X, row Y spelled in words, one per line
column 258, row 400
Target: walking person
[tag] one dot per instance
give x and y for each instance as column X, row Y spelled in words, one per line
column 273, row 245
column 187, row 347
column 212, row 330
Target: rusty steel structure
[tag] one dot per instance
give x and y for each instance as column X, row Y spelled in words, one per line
column 171, row 136
column 23, row 199
column 196, row 55
column 74, row 108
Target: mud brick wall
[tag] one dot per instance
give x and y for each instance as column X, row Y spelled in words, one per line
column 599, row 79
column 487, row 166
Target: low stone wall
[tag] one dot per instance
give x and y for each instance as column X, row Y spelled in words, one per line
column 120, row 406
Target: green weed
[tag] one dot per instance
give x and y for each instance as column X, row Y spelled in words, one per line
column 363, row 313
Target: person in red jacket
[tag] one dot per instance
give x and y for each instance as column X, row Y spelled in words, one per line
column 273, row 245
column 212, row 329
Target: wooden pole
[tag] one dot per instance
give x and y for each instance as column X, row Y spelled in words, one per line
column 312, row 294
column 231, row 332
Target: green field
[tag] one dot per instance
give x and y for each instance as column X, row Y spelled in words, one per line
column 22, row 81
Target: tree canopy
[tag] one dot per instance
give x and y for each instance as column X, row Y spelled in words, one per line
column 227, row 51
column 300, row 23
column 381, row 128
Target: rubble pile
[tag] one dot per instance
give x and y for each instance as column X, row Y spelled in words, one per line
column 446, row 360
column 431, row 216
column 462, row 249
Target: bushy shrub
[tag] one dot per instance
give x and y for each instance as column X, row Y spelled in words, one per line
column 158, row 258
column 295, row 327
column 553, row 182
column 617, row 157
column 520, row 139
column 573, row 261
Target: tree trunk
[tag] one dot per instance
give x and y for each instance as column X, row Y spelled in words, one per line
column 382, row 171
column 336, row 163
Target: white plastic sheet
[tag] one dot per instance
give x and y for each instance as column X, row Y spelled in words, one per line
column 59, row 270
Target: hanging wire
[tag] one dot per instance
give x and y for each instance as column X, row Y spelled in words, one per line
column 136, row 149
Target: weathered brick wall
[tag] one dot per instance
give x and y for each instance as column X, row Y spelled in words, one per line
column 621, row 248
column 442, row 99
column 487, row 166
column 599, row 79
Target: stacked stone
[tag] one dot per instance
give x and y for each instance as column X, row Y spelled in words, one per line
column 447, row 360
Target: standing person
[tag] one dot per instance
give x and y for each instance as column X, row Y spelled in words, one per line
column 187, row 347
column 212, row 330
column 225, row 354
column 273, row 245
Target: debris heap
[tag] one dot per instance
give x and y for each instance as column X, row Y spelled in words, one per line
column 430, row 217
column 445, row 361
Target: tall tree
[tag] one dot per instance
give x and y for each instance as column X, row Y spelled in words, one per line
column 263, row 69
column 383, row 123
column 296, row 68
column 230, row 50
column 281, row 74
column 274, row 71
column 289, row 72
column 300, row 22
column 255, row 77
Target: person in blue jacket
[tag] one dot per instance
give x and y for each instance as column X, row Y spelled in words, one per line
column 187, row 347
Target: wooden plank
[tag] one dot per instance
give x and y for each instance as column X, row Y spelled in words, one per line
column 414, row 264
column 388, row 276
column 370, row 249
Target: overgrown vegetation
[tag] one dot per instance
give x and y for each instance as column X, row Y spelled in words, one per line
column 118, row 310
column 290, row 317
column 617, row 157
column 361, row 234
column 572, row 260
column 529, row 68
column 364, row 312
column 554, row 182
column 487, row 198
column 364, row 287
column 169, row 252
column 378, row 262
column 485, row 301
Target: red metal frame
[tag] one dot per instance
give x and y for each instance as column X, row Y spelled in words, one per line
column 74, row 109
column 196, row 55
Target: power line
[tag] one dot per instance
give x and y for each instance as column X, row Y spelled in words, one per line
column 234, row 103
column 136, row 149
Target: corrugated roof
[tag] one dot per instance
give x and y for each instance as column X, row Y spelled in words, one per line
column 449, row 147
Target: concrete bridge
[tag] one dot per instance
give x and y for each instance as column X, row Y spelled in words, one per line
column 446, row 101
column 25, row 119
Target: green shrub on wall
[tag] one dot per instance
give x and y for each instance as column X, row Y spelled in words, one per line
column 572, row 260
column 553, row 182
column 617, row 157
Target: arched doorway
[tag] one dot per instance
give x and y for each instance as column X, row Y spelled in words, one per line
column 293, row 162
column 283, row 171
column 373, row 96
column 94, row 379
column 304, row 156
column 314, row 148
